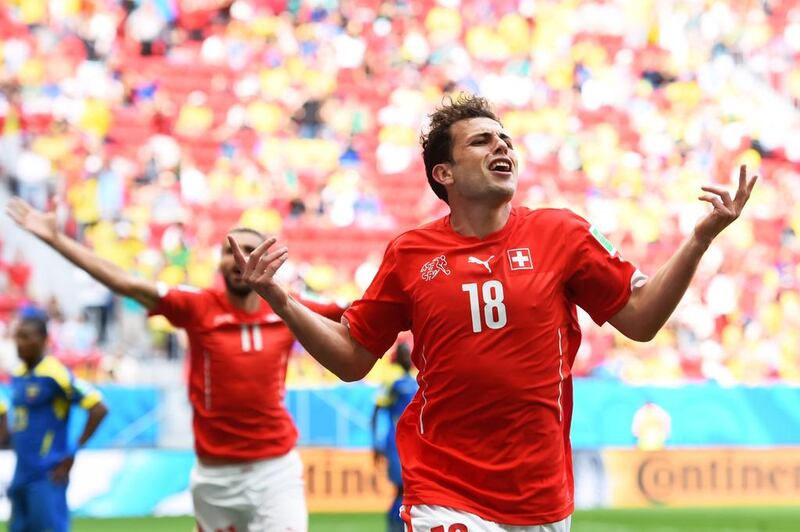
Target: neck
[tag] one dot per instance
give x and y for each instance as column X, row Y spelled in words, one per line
column 479, row 220
column 35, row 362
column 249, row 303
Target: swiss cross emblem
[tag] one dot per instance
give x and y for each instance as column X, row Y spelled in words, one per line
column 520, row 259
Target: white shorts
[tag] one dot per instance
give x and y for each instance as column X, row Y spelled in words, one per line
column 262, row 496
column 424, row 518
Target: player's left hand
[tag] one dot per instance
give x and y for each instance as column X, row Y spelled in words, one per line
column 726, row 209
column 60, row 473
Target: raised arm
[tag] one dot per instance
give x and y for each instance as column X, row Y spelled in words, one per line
column 651, row 305
column 327, row 341
column 43, row 226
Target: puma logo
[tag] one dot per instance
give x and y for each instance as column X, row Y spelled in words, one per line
column 484, row 263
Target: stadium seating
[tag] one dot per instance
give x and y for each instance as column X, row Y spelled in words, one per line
column 619, row 114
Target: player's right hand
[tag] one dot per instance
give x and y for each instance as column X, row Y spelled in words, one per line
column 40, row 224
column 60, row 473
column 726, row 209
column 258, row 271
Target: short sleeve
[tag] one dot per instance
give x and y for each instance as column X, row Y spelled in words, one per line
column 385, row 397
column 180, row 305
column 76, row 391
column 597, row 279
column 84, row 394
column 383, row 312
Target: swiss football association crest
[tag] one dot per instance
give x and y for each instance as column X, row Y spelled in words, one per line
column 520, row 259
column 432, row 268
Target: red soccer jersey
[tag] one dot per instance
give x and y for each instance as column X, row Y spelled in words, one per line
column 495, row 335
column 237, row 371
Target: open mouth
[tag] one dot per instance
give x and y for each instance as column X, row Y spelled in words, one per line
column 501, row 166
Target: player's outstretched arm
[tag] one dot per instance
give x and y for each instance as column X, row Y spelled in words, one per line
column 327, row 341
column 43, row 226
column 650, row 306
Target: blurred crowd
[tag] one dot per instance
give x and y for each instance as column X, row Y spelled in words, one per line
column 153, row 126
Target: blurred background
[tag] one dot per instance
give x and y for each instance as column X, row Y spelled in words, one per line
column 154, row 126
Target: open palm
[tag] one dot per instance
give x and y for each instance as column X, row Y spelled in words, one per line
column 40, row 224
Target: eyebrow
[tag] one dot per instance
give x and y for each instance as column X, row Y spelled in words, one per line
column 484, row 134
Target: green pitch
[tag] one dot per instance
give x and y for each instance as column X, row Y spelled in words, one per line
column 318, row 523
column 651, row 520
column 783, row 519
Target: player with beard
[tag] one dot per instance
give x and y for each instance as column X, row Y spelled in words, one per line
column 248, row 475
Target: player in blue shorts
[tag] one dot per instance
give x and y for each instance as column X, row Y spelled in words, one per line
column 394, row 400
column 42, row 391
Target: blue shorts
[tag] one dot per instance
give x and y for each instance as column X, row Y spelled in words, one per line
column 39, row 505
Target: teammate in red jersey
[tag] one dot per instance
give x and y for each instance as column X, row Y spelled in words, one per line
column 248, row 477
column 490, row 294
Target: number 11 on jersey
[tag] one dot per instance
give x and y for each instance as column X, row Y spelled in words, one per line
column 251, row 338
column 494, row 311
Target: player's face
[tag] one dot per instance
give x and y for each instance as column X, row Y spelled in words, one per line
column 227, row 264
column 30, row 344
column 484, row 164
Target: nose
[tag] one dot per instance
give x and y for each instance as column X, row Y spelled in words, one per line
column 500, row 145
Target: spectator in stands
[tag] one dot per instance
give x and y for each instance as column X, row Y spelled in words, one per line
column 32, row 175
column 98, row 302
column 651, row 427
column 78, row 335
column 147, row 26
column 309, row 119
column 195, row 116
column 18, row 274
column 11, row 124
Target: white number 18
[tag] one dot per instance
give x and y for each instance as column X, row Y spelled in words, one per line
column 494, row 311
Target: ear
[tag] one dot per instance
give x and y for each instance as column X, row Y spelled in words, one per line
column 442, row 174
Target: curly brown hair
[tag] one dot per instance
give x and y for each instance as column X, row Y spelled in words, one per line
column 437, row 143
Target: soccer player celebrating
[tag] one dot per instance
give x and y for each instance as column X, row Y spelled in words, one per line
column 43, row 390
column 489, row 293
column 248, row 475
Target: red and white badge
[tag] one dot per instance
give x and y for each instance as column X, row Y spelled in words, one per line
column 520, row 259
